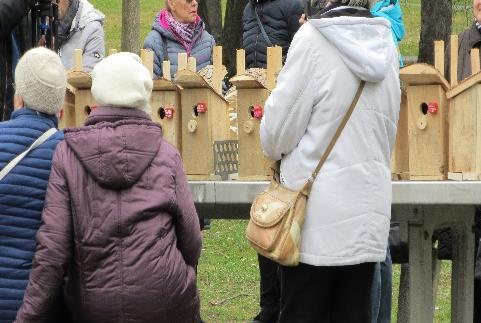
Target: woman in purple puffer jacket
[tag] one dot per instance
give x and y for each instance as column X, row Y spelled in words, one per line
column 119, row 220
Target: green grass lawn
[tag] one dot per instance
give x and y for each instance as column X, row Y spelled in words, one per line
column 228, row 272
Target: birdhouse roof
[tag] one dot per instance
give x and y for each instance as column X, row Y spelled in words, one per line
column 423, row 74
column 464, row 85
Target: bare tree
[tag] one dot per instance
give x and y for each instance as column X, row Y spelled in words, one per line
column 130, row 26
column 211, row 13
column 232, row 32
column 436, row 19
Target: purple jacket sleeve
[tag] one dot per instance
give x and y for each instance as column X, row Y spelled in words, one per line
column 189, row 238
column 54, row 248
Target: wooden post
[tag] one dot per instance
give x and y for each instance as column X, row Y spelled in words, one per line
column 475, row 68
column 217, row 72
column 192, row 64
column 274, row 65
column 439, row 56
column 182, row 59
column 112, row 51
column 453, row 73
column 241, row 61
column 166, row 70
column 147, row 57
column 78, row 60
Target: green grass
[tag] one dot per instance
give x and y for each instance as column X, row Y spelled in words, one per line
column 228, row 272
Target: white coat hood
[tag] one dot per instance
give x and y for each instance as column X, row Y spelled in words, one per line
column 366, row 49
column 86, row 14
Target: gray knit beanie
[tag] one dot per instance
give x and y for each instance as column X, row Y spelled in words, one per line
column 40, row 80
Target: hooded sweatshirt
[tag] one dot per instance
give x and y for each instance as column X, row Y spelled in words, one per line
column 348, row 210
column 119, row 216
column 87, row 34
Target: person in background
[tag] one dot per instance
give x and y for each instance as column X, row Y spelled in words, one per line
column 179, row 29
column 119, row 215
column 348, row 211
column 280, row 20
column 468, row 39
column 80, row 27
column 39, row 94
column 15, row 39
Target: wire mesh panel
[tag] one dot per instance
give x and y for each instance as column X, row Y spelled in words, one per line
column 226, row 157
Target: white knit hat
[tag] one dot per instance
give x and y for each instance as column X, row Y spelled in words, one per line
column 40, row 80
column 121, row 80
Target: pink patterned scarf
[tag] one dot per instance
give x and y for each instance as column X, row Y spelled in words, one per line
column 184, row 33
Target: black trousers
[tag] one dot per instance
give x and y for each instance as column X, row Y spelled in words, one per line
column 270, row 290
column 326, row 294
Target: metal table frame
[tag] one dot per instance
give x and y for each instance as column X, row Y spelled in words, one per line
column 420, row 207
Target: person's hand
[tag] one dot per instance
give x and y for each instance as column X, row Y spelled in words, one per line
column 302, row 20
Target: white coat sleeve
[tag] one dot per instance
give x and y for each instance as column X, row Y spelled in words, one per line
column 288, row 108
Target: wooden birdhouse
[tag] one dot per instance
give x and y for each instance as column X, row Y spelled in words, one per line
column 251, row 97
column 400, row 155
column 465, row 124
column 427, row 116
column 78, row 99
column 165, row 102
column 205, row 118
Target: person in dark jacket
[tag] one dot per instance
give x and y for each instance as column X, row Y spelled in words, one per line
column 178, row 29
column 119, row 215
column 280, row 19
column 14, row 41
column 22, row 190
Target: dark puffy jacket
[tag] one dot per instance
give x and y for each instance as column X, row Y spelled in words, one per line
column 12, row 19
column 119, row 216
column 202, row 49
column 280, row 19
column 22, row 194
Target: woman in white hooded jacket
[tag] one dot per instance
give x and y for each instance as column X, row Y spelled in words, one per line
column 348, row 212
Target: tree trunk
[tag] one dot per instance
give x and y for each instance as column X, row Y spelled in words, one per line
column 131, row 26
column 232, row 32
column 211, row 12
column 436, row 19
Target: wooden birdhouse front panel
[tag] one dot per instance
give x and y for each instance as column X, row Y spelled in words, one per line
column 250, row 110
column 400, row 155
column 67, row 115
column 166, row 111
column 196, row 134
column 465, row 132
column 428, row 132
column 83, row 105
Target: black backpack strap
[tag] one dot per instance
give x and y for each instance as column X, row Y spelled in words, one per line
column 263, row 31
column 164, row 48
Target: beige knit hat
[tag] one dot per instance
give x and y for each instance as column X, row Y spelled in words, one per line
column 40, row 80
column 121, row 80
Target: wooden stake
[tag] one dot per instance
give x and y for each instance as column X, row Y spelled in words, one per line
column 274, row 65
column 217, row 71
column 78, row 60
column 166, row 70
column 182, row 59
column 439, row 56
column 241, row 61
column 453, row 73
column 112, row 51
column 192, row 64
column 475, row 68
column 148, row 61
column 142, row 55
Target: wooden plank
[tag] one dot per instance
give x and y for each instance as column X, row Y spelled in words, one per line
column 82, row 99
column 217, row 73
column 453, row 73
column 147, row 57
column 79, row 80
column 192, row 64
column 164, row 85
column 475, row 68
column 166, row 70
column 439, row 56
column 463, row 131
column 252, row 162
column 428, row 177
column 464, row 85
column 246, row 82
column 274, row 65
column 67, row 119
column 422, row 74
column 171, row 128
column 182, row 62
column 78, row 60
column 428, row 146
column 400, row 155
column 455, row 176
column 241, row 61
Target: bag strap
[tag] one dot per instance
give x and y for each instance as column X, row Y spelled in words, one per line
column 307, row 187
column 164, row 49
column 263, row 31
column 40, row 140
